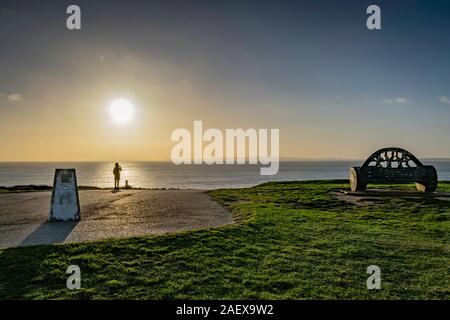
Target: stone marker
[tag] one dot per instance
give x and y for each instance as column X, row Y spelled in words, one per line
column 65, row 203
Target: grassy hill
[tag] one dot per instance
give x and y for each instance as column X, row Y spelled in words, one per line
column 292, row 240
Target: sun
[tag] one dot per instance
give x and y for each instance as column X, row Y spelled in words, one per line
column 122, row 111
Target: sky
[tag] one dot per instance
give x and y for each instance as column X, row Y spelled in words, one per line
column 311, row 69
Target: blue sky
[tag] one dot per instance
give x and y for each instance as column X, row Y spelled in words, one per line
column 310, row 68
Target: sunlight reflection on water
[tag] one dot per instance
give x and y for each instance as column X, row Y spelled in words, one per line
column 168, row 175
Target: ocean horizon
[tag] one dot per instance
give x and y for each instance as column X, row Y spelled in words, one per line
column 163, row 174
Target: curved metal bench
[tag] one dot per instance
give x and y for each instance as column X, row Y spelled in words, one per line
column 393, row 165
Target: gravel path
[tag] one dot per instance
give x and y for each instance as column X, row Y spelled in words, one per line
column 105, row 215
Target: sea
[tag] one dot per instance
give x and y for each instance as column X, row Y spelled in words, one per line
column 167, row 175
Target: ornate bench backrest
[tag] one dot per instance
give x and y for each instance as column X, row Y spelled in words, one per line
column 392, row 158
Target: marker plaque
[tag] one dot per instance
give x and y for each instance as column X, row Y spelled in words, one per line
column 65, row 203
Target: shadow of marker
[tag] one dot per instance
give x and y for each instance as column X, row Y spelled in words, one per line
column 49, row 233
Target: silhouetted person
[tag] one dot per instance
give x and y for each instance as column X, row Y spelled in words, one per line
column 116, row 171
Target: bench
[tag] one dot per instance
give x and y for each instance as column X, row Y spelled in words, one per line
column 393, row 165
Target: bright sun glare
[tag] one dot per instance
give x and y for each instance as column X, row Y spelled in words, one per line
column 121, row 111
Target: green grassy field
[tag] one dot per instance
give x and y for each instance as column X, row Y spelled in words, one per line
column 292, row 240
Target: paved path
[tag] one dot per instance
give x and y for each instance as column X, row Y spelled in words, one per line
column 105, row 214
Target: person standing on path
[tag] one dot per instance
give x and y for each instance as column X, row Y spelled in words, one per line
column 116, row 172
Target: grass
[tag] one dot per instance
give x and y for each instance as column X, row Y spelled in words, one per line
column 292, row 240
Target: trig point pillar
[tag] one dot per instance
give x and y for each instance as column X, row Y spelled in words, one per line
column 65, row 203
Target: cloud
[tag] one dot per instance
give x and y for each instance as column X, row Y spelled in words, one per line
column 15, row 97
column 399, row 100
column 445, row 99
column 185, row 84
column 7, row 12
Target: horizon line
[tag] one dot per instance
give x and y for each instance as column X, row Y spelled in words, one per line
column 283, row 159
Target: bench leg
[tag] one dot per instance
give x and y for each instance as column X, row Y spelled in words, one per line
column 426, row 187
column 356, row 181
